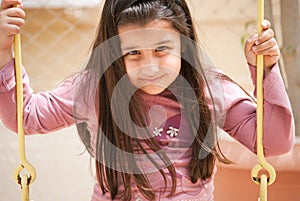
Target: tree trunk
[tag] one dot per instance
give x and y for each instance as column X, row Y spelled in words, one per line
column 290, row 22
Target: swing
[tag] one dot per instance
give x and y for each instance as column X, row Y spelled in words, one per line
column 263, row 165
column 25, row 167
column 27, row 178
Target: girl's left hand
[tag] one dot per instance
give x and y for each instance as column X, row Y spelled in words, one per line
column 263, row 44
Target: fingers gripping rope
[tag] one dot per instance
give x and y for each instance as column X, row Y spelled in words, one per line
column 23, row 180
column 263, row 180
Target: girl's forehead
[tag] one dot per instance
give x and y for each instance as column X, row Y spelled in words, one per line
column 155, row 32
column 156, row 23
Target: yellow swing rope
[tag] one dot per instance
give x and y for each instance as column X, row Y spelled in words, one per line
column 25, row 167
column 263, row 180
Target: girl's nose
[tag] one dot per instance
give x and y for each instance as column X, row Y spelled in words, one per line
column 150, row 70
column 150, row 64
column 149, row 58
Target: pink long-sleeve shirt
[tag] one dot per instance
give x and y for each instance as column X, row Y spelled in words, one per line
column 52, row 110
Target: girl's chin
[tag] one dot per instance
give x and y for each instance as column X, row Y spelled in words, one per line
column 152, row 89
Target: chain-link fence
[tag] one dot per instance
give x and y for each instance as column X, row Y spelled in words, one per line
column 55, row 42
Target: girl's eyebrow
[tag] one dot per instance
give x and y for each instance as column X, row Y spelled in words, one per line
column 138, row 47
column 129, row 48
column 163, row 42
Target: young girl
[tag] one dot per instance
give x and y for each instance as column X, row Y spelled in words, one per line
column 145, row 107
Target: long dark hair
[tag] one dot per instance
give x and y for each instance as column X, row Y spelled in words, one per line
column 112, row 166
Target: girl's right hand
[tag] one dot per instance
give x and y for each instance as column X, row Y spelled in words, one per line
column 12, row 18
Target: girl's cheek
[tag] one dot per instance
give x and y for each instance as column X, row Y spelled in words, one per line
column 130, row 66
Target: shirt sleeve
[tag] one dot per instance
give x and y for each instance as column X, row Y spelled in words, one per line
column 43, row 112
column 240, row 120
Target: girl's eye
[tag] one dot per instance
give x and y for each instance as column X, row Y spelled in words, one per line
column 161, row 48
column 134, row 52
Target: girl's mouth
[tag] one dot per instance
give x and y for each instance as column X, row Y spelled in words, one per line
column 153, row 80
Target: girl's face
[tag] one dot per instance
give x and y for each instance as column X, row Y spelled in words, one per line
column 152, row 54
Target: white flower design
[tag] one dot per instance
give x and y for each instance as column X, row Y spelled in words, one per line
column 173, row 132
column 157, row 131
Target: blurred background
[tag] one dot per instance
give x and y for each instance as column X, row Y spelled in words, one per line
column 56, row 41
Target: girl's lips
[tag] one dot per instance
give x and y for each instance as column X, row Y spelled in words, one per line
column 152, row 80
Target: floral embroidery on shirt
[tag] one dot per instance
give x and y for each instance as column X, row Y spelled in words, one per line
column 173, row 132
column 157, row 131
